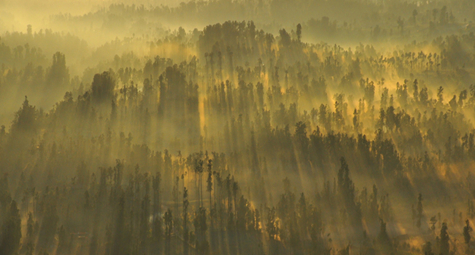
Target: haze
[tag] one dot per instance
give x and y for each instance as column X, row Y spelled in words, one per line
column 237, row 127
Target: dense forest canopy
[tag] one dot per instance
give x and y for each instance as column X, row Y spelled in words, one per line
column 237, row 127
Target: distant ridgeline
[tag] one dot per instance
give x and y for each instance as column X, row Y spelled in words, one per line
column 232, row 140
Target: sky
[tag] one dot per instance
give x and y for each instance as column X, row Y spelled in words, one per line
column 20, row 13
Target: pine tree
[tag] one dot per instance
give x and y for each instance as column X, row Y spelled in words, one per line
column 466, row 233
column 11, row 229
column 185, row 221
column 299, row 32
column 444, row 240
column 209, row 182
column 419, row 211
column 168, row 218
column 272, row 225
column 383, row 238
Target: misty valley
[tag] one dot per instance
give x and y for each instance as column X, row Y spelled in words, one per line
column 236, row 127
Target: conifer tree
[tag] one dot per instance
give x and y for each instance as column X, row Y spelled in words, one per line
column 11, row 231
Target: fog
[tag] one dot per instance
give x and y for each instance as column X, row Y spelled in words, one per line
column 237, row 127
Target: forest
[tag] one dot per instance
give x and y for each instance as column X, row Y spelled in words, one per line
column 260, row 127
